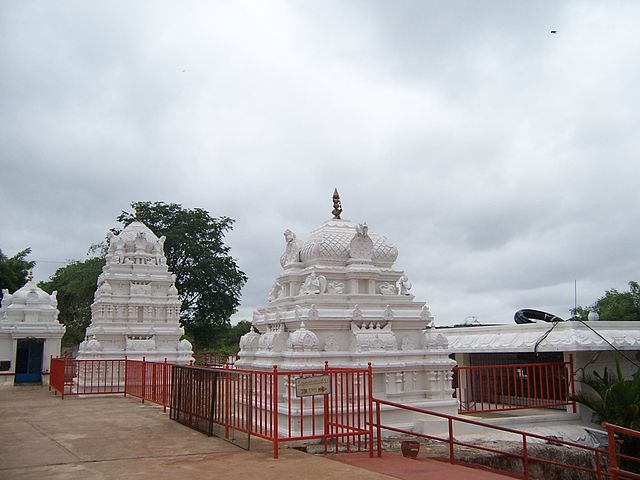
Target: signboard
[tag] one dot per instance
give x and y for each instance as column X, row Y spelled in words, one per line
column 309, row 386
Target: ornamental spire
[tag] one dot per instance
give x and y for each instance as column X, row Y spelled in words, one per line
column 337, row 206
column 30, row 276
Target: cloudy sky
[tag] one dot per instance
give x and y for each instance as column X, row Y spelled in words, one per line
column 500, row 158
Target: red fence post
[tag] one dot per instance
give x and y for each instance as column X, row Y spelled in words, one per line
column 325, row 428
column 613, row 458
column 572, row 380
column 525, row 457
column 370, row 402
column 452, row 458
column 126, row 373
column 378, row 429
column 165, row 384
column 274, row 421
column 144, row 378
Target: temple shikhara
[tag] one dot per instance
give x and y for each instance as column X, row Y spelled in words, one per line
column 339, row 298
column 136, row 311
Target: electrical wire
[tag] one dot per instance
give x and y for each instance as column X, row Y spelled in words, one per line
column 546, row 334
column 608, row 343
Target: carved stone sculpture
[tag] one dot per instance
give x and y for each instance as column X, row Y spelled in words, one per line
column 335, row 287
column 313, row 284
column 361, row 246
column 388, row 289
column 372, row 337
column 292, row 249
column 425, row 314
column 275, row 291
column 405, row 285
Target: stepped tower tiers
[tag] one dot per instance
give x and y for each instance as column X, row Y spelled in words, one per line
column 136, row 309
column 339, row 299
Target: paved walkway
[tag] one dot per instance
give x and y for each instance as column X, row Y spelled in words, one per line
column 42, row 436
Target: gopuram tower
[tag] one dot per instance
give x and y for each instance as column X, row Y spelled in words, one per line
column 339, row 299
column 136, row 308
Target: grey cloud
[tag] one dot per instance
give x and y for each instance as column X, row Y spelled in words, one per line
column 499, row 159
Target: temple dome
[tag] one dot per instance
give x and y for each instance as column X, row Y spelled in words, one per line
column 329, row 245
column 303, row 340
column 30, row 294
column 131, row 231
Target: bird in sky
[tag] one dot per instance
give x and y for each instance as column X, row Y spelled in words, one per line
column 554, row 31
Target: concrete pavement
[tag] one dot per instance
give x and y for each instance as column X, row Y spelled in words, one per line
column 42, row 436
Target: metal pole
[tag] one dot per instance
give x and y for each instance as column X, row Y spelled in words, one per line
column 274, row 422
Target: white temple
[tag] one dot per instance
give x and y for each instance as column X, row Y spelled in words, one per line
column 30, row 334
column 136, row 311
column 339, row 299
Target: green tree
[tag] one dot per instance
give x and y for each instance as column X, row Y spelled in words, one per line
column 615, row 305
column 232, row 338
column 207, row 277
column 581, row 313
column 76, row 284
column 14, row 270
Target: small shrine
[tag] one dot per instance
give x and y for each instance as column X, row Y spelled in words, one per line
column 339, row 299
column 136, row 308
column 30, row 334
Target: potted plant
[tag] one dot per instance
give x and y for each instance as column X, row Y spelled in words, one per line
column 410, row 448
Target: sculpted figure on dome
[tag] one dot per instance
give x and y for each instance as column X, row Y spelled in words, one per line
column 112, row 247
column 292, row 249
column 275, row 291
column 116, row 248
column 335, row 287
column 361, row 246
column 405, row 285
column 54, row 298
column 6, row 296
column 158, row 249
column 388, row 289
column 140, row 242
column 313, row 284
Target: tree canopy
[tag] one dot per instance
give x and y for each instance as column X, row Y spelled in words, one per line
column 207, row 277
column 14, row 270
column 76, row 284
column 615, row 305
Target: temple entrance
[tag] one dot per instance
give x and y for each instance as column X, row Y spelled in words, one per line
column 29, row 360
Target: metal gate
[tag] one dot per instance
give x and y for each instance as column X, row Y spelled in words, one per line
column 213, row 401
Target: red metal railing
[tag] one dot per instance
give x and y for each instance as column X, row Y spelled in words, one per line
column 621, row 470
column 149, row 381
column 57, row 375
column 488, row 388
column 87, row 377
column 145, row 380
column 598, row 469
column 267, row 404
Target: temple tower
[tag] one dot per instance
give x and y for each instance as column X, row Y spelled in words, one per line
column 338, row 298
column 136, row 308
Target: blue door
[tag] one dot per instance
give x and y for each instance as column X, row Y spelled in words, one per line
column 29, row 360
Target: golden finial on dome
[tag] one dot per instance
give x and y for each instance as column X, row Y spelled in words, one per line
column 337, row 205
column 30, row 276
